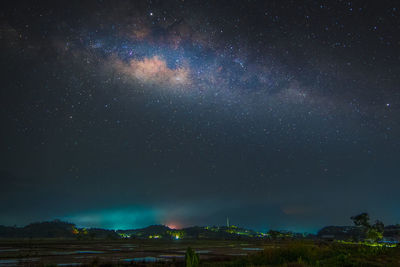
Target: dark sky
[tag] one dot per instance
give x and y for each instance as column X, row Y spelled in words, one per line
column 278, row 114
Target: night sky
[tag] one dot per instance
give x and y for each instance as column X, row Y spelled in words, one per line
column 277, row 114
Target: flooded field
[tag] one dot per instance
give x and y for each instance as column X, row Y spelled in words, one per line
column 75, row 253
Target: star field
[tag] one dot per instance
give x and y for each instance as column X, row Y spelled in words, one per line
column 274, row 113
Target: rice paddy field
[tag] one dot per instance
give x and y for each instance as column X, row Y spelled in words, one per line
column 211, row 253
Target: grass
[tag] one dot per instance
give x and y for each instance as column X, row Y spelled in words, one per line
column 312, row 254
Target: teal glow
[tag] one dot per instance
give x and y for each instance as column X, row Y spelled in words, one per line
column 126, row 218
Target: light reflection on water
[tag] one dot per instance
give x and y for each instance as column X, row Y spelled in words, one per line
column 8, row 262
column 15, row 262
column 171, row 256
column 77, row 252
column 255, row 249
column 146, row 259
column 9, row 250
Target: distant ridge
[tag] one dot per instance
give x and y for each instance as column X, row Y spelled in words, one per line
column 60, row 229
column 67, row 230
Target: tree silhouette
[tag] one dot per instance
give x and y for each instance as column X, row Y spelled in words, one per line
column 361, row 219
column 373, row 232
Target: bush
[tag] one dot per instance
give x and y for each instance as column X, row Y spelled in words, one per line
column 191, row 258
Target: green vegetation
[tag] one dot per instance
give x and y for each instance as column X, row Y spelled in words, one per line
column 373, row 232
column 191, row 258
column 310, row 254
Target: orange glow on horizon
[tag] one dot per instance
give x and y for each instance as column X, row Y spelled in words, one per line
column 174, row 226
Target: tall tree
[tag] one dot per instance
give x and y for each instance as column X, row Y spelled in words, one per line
column 361, row 219
column 373, row 232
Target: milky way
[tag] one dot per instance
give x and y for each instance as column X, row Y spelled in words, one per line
column 274, row 113
column 177, row 61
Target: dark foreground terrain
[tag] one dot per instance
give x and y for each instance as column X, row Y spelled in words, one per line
column 211, row 253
